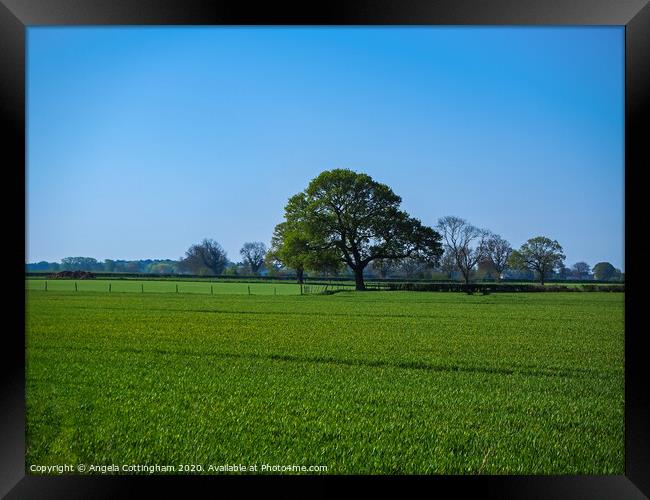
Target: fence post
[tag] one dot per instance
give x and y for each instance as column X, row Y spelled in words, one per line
column 75, row 287
column 109, row 287
column 300, row 288
column 142, row 287
column 249, row 289
column 275, row 291
column 46, row 285
column 211, row 290
column 176, row 287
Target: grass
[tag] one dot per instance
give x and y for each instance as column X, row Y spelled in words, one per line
column 164, row 286
column 381, row 382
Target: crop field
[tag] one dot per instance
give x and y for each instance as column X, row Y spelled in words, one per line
column 370, row 382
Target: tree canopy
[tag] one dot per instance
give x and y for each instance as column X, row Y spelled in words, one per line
column 291, row 248
column 349, row 216
column 80, row 264
column 581, row 270
column 605, row 271
column 207, row 257
column 540, row 254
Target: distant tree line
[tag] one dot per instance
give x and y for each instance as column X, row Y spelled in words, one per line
column 345, row 224
column 206, row 258
column 406, row 269
column 149, row 266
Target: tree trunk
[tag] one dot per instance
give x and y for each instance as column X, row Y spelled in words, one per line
column 299, row 275
column 541, row 277
column 358, row 278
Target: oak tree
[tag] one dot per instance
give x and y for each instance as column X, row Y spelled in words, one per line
column 358, row 220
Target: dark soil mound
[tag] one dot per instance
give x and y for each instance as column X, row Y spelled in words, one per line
column 77, row 275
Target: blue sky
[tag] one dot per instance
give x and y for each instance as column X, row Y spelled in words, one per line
column 143, row 140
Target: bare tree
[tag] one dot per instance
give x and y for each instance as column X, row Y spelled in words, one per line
column 467, row 243
column 498, row 251
column 253, row 254
column 448, row 262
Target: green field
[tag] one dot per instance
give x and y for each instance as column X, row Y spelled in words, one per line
column 165, row 286
column 374, row 382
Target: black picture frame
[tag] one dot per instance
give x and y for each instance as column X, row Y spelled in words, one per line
column 17, row 15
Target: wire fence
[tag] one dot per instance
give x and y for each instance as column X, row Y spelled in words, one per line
column 260, row 288
column 169, row 287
